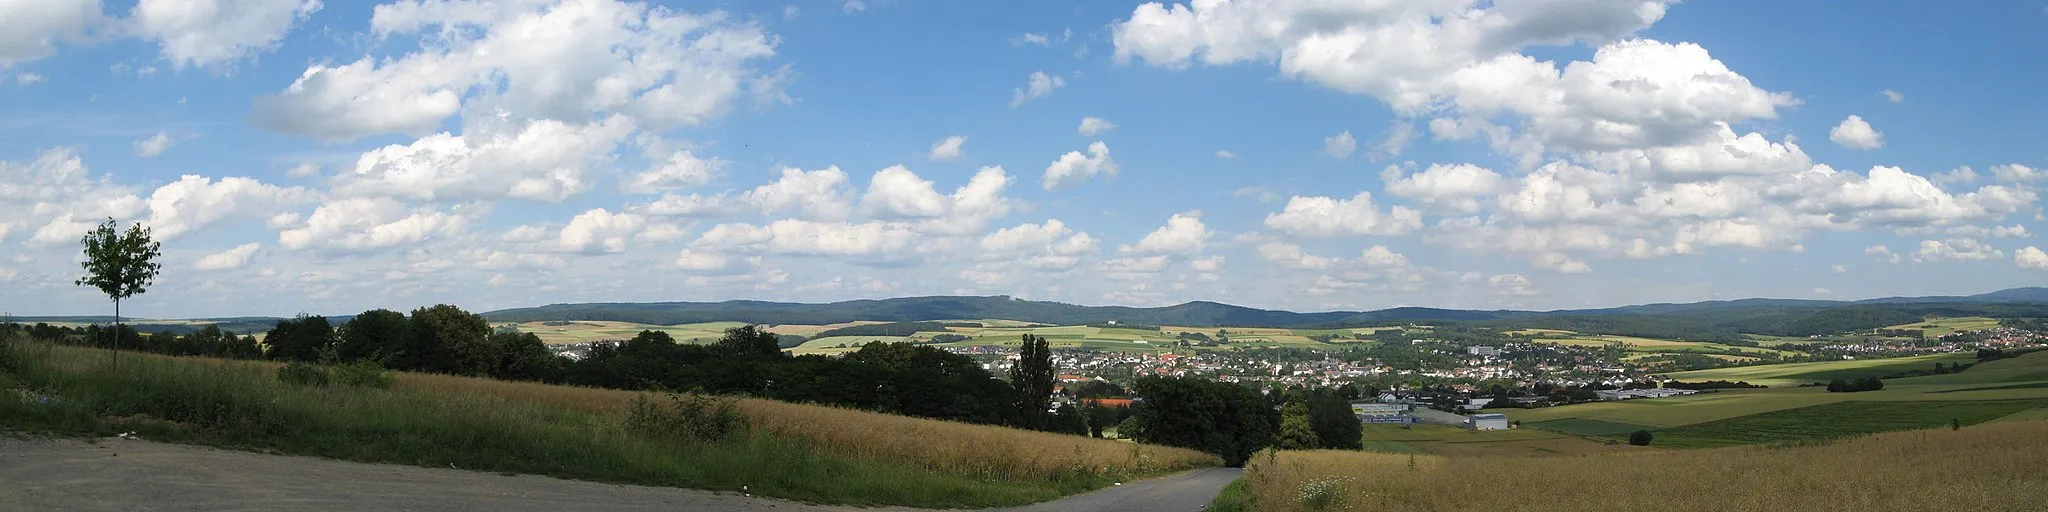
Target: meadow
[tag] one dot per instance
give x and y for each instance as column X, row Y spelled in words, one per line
column 1981, row 468
column 1938, row 327
column 1656, row 346
column 1455, row 441
column 1985, row 392
column 792, row 451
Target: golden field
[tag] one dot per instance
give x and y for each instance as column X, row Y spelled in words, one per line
column 1989, row 467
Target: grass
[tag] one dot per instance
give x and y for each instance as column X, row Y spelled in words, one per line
column 1986, row 467
column 1839, row 419
column 1636, row 344
column 1938, row 327
column 1793, row 374
column 1587, row 427
column 1450, row 440
column 1235, row 497
column 800, row 452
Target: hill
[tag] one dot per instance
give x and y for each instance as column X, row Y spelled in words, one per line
column 1698, row 321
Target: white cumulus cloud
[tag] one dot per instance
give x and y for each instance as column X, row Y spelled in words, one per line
column 1855, row 133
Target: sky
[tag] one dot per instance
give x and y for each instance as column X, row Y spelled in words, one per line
column 301, row 156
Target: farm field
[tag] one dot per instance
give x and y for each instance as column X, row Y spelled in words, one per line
column 2002, row 383
column 588, row 331
column 1455, row 441
column 1651, row 345
column 1982, row 467
column 1836, row 420
column 1938, row 327
column 1793, row 374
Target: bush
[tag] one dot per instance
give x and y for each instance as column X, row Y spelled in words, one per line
column 303, row 374
column 688, row 417
column 362, row 374
column 1640, row 438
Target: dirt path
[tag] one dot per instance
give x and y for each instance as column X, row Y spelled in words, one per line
column 124, row 475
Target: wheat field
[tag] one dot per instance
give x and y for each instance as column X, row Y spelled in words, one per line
column 950, row 447
column 1989, row 467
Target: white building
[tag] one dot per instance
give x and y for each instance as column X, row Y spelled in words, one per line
column 1626, row 394
column 1482, row 350
column 1487, row 422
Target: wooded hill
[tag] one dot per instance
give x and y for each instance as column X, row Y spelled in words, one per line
column 1698, row 321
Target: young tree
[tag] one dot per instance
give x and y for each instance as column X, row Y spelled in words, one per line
column 303, row 338
column 1640, row 438
column 1032, row 379
column 750, row 341
column 121, row 265
column 377, row 335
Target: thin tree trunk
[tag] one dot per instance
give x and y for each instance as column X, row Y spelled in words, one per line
column 117, row 334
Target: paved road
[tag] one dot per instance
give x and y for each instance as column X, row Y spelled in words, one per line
column 124, row 475
column 1185, row 492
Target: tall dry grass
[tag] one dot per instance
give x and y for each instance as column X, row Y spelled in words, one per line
column 1989, row 467
column 981, row 451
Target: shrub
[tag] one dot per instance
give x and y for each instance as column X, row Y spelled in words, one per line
column 362, row 374
column 1324, row 493
column 303, row 374
column 1640, row 438
column 688, row 417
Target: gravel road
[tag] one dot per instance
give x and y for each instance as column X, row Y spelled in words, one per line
column 134, row 475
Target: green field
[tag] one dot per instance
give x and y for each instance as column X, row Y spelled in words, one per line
column 1938, row 327
column 1794, row 374
column 2002, row 383
column 1651, row 345
column 1836, row 420
column 589, row 331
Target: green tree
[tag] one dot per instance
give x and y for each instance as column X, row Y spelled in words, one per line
column 1335, row 425
column 121, row 265
column 302, row 338
column 750, row 341
column 446, row 339
column 376, row 335
column 1640, row 438
column 1032, row 379
column 1225, row 419
column 1295, row 432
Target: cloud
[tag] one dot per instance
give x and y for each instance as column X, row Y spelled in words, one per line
column 197, row 202
column 1560, row 263
column 947, row 149
column 32, row 30
column 1094, row 125
column 1226, row 155
column 1291, row 256
column 853, row 6
column 1839, row 269
column 1049, row 246
column 1183, row 235
column 1511, row 284
column 1341, row 145
column 682, row 169
column 1039, row 86
column 1037, row 38
column 1963, row 175
column 2030, row 257
column 306, row 170
column 541, row 161
column 1453, row 187
column 229, row 259
column 1075, row 167
column 1325, row 217
column 2016, row 173
column 153, row 146
column 566, row 61
column 896, row 193
column 361, row 224
column 1892, row 96
column 1855, row 133
column 27, row 79
column 207, row 32
column 1955, row 249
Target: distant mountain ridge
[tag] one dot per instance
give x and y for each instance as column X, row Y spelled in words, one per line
column 1196, row 313
column 1708, row 320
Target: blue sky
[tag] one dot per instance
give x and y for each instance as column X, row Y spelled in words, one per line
column 330, row 157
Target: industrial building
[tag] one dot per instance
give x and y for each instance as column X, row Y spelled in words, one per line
column 1487, row 422
column 1625, row 394
column 1381, row 412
